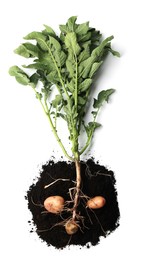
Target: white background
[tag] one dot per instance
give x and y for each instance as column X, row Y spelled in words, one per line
column 27, row 142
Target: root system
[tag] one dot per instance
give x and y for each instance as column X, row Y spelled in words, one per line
column 59, row 179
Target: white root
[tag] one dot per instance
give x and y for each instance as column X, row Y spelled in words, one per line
column 47, row 186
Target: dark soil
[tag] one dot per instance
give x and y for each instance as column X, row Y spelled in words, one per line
column 96, row 181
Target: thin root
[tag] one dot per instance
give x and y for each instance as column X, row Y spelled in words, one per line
column 104, row 174
column 99, row 222
column 47, row 186
column 62, row 223
column 36, row 204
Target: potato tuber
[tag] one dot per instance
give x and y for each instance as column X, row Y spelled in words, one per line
column 54, row 204
column 71, row 227
column 96, row 202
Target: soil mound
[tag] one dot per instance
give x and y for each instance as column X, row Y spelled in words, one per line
column 96, row 181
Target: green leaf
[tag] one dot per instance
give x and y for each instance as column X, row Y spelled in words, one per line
column 85, row 54
column 67, row 113
column 53, row 77
column 115, row 53
column 85, row 38
column 85, row 67
column 58, row 54
column 102, row 96
column 74, row 112
column 82, row 29
column 32, row 49
column 37, row 66
column 70, row 68
column 47, row 60
column 70, row 86
column 57, row 101
column 84, row 85
column 48, row 31
column 71, row 43
column 71, row 23
column 34, row 36
column 38, row 95
column 20, row 75
column 64, row 29
column 94, row 125
column 46, row 90
column 81, row 101
column 94, row 68
column 105, row 94
column 55, row 43
column 21, row 50
column 39, row 37
column 70, row 26
column 90, row 128
column 99, row 50
column 34, row 79
column 27, row 50
column 61, row 115
column 60, row 58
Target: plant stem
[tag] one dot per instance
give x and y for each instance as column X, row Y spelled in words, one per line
column 46, row 110
column 76, row 85
column 77, row 188
column 75, row 149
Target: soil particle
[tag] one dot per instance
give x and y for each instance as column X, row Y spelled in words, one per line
column 96, row 181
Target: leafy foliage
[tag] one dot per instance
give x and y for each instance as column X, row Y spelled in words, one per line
column 69, row 63
column 20, row 75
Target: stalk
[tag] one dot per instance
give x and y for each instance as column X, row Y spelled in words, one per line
column 77, row 188
column 76, row 147
column 46, row 111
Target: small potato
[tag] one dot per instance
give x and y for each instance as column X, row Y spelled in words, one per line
column 54, row 204
column 71, row 227
column 96, row 202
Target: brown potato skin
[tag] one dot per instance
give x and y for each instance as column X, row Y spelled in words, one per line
column 96, row 203
column 71, row 227
column 54, row 204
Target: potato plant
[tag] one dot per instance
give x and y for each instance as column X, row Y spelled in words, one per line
column 65, row 66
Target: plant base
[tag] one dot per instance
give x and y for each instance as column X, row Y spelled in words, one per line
column 96, row 181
